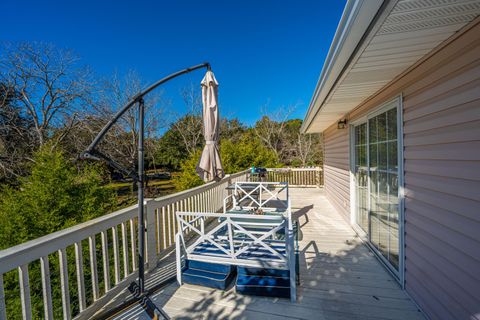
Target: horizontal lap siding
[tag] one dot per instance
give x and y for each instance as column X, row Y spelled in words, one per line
column 336, row 169
column 442, row 184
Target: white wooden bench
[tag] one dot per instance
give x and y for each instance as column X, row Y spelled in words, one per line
column 231, row 243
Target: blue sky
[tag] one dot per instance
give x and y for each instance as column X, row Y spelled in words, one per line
column 261, row 51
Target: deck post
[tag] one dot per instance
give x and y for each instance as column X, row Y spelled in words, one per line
column 151, row 236
column 291, row 265
column 178, row 256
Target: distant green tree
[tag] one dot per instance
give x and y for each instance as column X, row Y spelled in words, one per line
column 188, row 177
column 54, row 196
column 236, row 156
column 247, row 152
column 170, row 150
column 231, row 129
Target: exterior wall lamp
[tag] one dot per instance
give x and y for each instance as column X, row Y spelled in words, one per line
column 342, row 124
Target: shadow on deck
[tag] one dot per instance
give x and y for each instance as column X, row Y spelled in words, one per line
column 340, row 279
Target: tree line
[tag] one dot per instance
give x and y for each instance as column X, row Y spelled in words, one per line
column 48, row 97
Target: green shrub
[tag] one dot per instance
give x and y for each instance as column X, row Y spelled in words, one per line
column 54, row 196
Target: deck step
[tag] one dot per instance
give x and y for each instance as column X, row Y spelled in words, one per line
column 263, row 282
column 212, row 275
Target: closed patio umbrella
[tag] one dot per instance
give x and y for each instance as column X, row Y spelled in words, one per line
column 210, row 165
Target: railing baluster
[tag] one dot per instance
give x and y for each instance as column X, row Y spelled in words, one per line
column 174, row 222
column 80, row 278
column 25, row 292
column 126, row 258
column 106, row 260
column 157, row 230
column 3, row 308
column 208, row 197
column 176, row 207
column 93, row 267
column 116, row 255
column 62, row 256
column 164, row 228
column 133, row 240
column 46, row 288
column 198, row 205
column 169, row 225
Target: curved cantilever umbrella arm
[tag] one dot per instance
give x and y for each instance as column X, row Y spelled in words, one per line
column 98, row 156
column 90, row 152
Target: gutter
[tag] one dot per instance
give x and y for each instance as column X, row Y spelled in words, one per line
column 357, row 19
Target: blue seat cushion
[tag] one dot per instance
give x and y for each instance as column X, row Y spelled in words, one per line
column 263, row 285
column 207, row 278
column 254, row 252
column 208, row 266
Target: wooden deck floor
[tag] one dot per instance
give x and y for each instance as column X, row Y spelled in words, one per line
column 340, row 279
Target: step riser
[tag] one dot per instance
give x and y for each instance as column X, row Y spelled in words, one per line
column 215, row 284
column 210, row 267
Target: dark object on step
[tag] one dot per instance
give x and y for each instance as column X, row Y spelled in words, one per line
column 263, row 282
column 212, row 275
column 150, row 308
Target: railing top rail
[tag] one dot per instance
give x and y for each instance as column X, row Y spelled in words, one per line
column 194, row 191
column 35, row 249
column 294, row 169
column 232, row 215
column 282, row 183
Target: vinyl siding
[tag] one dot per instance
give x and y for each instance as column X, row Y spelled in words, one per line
column 442, row 186
column 336, row 169
column 441, row 112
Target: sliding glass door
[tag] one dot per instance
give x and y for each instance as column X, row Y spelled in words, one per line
column 376, row 173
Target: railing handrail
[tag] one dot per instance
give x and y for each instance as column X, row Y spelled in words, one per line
column 174, row 197
column 295, row 169
column 29, row 251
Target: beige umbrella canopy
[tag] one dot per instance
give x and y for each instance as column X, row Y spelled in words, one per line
column 210, row 165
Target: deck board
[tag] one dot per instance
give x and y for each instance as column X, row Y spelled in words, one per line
column 340, row 279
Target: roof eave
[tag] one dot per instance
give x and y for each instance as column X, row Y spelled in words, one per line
column 356, row 19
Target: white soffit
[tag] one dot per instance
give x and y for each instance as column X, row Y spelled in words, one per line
column 409, row 31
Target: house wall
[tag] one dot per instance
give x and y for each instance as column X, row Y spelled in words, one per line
column 441, row 103
column 336, row 169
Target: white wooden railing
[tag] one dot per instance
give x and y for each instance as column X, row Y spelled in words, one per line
column 116, row 249
column 296, row 177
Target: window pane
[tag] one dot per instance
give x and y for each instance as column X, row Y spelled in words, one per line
column 364, row 156
column 363, row 133
column 393, row 186
column 373, row 182
column 382, row 127
column 392, row 156
column 392, row 124
column 372, row 130
column 373, row 156
column 382, row 155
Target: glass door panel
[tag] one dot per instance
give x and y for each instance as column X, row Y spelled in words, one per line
column 376, row 183
column 361, row 176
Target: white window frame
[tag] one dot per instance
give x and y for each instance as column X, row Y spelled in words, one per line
column 400, row 274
